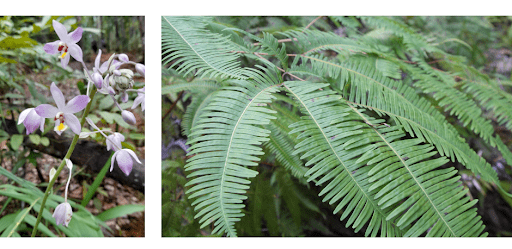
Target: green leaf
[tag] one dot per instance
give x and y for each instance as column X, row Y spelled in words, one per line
column 97, row 181
column 45, row 141
column 16, row 141
column 35, row 139
column 119, row 211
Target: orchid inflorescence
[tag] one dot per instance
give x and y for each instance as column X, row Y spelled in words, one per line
column 108, row 78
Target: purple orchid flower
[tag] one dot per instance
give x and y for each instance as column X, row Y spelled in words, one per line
column 123, row 157
column 140, row 99
column 62, row 214
column 31, row 120
column 63, row 113
column 66, row 45
column 124, row 160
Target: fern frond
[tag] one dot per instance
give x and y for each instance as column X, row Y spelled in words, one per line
column 189, row 46
column 323, row 142
column 410, row 181
column 492, row 98
column 457, row 103
column 371, row 90
column 404, row 182
column 227, row 140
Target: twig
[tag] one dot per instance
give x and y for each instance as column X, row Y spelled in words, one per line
column 172, row 106
column 311, row 23
column 243, row 52
column 282, row 40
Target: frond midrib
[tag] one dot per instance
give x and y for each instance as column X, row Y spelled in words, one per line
column 230, row 232
column 369, row 78
column 410, row 173
column 467, row 157
column 376, row 207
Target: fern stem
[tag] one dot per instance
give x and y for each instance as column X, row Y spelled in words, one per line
column 311, row 23
column 280, row 41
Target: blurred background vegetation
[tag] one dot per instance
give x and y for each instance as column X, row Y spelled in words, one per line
column 26, row 73
column 279, row 204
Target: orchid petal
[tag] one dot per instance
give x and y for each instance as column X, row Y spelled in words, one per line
column 51, row 47
column 61, row 31
column 65, row 61
column 58, row 130
column 137, row 101
column 92, row 123
column 75, row 51
column 76, row 35
column 41, row 127
column 103, row 68
column 97, row 60
column 133, row 155
column 46, row 111
column 32, row 121
column 141, row 69
column 73, row 123
column 114, row 141
column 57, row 95
column 62, row 214
column 125, row 161
column 24, row 114
column 76, row 104
column 113, row 160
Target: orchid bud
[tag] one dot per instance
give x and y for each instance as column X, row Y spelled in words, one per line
column 141, row 69
column 52, row 173
column 62, row 214
column 123, row 79
column 85, row 134
column 97, row 79
column 128, row 117
column 123, row 57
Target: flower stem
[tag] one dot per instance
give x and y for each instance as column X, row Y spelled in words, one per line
column 62, row 164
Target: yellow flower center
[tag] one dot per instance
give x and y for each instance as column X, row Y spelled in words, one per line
column 61, row 127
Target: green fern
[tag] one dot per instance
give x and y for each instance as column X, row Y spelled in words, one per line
column 191, row 48
column 366, row 118
column 227, row 141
